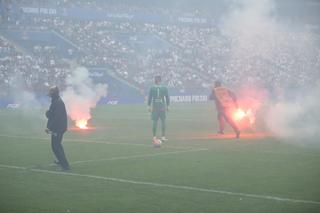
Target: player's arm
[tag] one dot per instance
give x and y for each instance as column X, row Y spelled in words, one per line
column 49, row 111
column 167, row 97
column 150, row 100
column 50, row 114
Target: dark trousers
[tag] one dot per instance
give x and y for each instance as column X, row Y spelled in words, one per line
column 224, row 115
column 56, row 139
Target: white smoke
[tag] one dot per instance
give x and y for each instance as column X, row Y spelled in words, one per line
column 298, row 119
column 249, row 18
column 22, row 98
column 264, row 49
column 27, row 99
column 81, row 94
column 253, row 34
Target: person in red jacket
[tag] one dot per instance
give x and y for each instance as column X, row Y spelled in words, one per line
column 226, row 102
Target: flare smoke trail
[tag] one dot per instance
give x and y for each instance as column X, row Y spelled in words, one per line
column 297, row 119
column 266, row 50
column 23, row 98
column 81, row 94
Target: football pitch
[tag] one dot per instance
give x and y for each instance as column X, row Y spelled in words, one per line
column 115, row 168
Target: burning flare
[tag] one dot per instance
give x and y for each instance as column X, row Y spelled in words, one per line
column 239, row 114
column 82, row 123
column 244, row 118
column 81, row 95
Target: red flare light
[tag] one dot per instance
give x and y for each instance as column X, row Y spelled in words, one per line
column 82, row 123
column 239, row 114
column 244, row 118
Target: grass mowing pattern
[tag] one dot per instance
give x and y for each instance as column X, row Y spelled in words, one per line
column 260, row 166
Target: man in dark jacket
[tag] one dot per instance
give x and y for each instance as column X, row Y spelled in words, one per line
column 225, row 101
column 56, row 126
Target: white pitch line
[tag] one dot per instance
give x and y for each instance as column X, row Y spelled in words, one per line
column 162, row 185
column 138, row 156
column 94, row 141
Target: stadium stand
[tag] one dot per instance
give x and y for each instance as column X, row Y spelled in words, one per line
column 133, row 44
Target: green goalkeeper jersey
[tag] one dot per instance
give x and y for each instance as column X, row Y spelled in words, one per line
column 158, row 97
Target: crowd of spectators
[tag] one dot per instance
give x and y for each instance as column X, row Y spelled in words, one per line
column 194, row 58
column 196, row 55
column 31, row 72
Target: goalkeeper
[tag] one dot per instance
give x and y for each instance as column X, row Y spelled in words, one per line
column 158, row 104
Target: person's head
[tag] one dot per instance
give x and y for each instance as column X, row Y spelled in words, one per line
column 217, row 83
column 53, row 91
column 157, row 79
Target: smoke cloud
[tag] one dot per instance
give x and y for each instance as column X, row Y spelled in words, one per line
column 81, row 94
column 22, row 98
column 28, row 107
column 297, row 119
column 263, row 49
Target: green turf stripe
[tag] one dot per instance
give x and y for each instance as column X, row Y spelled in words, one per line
column 139, row 156
column 180, row 187
column 93, row 141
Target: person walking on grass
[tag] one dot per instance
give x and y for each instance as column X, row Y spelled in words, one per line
column 225, row 101
column 56, row 126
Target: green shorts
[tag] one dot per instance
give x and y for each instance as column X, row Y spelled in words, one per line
column 155, row 115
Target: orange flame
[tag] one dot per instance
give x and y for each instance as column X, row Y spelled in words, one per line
column 244, row 118
column 82, row 123
column 239, row 114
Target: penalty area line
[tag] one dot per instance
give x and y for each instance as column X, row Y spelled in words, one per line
column 162, row 185
column 138, row 156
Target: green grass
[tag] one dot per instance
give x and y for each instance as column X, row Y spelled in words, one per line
column 190, row 173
